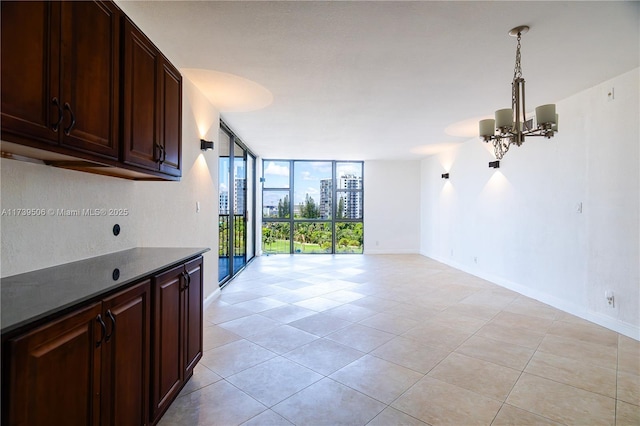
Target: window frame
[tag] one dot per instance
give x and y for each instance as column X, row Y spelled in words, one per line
column 333, row 220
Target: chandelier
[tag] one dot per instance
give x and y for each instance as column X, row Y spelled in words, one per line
column 511, row 125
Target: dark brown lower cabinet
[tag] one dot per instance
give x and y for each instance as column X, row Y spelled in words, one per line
column 177, row 334
column 55, row 372
column 118, row 361
column 87, row 368
column 125, row 357
column 193, row 317
column 167, row 374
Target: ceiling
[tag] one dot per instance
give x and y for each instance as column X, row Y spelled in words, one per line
column 383, row 80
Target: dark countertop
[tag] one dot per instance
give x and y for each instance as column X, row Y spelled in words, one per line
column 34, row 295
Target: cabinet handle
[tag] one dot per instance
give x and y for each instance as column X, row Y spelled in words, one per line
column 184, row 280
column 67, row 130
column 157, row 148
column 187, row 279
column 103, row 328
column 56, row 125
column 163, row 154
column 113, row 326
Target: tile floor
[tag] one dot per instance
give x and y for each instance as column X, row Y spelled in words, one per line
column 399, row 340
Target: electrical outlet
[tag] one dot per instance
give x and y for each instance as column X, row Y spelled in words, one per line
column 610, row 298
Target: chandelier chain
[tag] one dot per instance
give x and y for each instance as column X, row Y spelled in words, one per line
column 517, row 74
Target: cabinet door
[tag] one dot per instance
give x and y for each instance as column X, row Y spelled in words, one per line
column 125, row 357
column 90, row 76
column 55, row 372
column 167, row 360
column 171, row 119
column 31, row 104
column 193, row 316
column 141, row 127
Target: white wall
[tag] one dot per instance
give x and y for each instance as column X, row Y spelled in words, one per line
column 519, row 227
column 161, row 214
column 391, row 207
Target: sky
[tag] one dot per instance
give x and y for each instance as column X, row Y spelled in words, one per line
column 223, row 172
column 307, row 176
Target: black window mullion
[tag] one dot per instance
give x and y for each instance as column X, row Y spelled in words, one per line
column 334, row 207
column 291, row 203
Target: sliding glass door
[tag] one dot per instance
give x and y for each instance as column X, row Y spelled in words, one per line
column 224, row 236
column 237, row 200
column 239, row 207
column 250, row 217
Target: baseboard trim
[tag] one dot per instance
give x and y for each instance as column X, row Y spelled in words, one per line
column 394, row 251
column 621, row 327
column 209, row 300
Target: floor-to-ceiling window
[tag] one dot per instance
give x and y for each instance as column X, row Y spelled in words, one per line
column 312, row 206
column 236, row 216
column 349, row 205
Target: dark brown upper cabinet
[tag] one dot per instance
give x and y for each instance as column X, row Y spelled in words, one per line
column 152, row 106
column 83, row 88
column 171, row 106
column 60, row 75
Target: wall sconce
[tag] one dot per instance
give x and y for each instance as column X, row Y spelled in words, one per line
column 445, row 176
column 205, row 145
column 494, row 164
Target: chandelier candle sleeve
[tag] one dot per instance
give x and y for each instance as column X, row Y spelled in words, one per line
column 546, row 114
column 487, row 127
column 504, row 119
